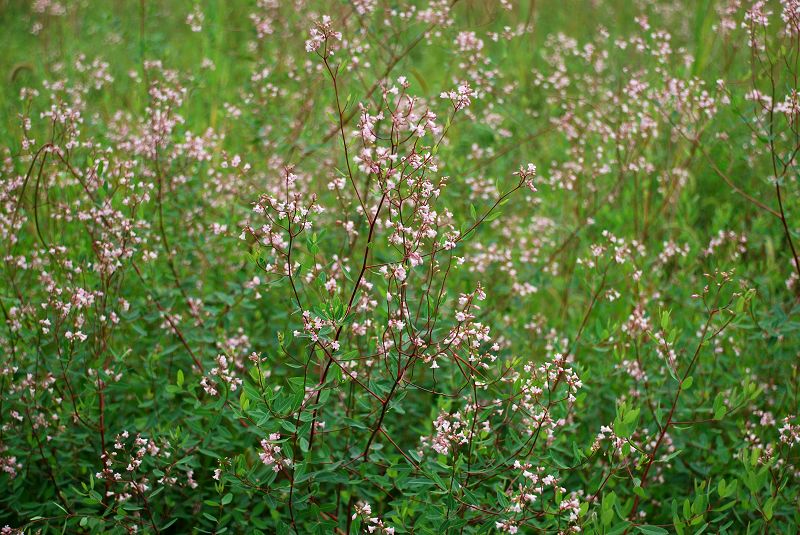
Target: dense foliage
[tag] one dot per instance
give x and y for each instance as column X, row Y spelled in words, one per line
column 382, row 266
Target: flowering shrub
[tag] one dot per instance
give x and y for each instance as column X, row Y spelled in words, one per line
column 285, row 267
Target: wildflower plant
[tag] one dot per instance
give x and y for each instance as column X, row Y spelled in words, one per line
column 433, row 266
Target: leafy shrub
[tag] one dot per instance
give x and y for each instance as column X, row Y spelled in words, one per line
column 284, row 267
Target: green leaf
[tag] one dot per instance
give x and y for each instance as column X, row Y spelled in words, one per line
column 726, row 490
column 651, row 530
column 768, row 507
column 210, row 517
column 719, row 406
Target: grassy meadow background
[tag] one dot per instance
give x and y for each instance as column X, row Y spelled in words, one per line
column 251, row 286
